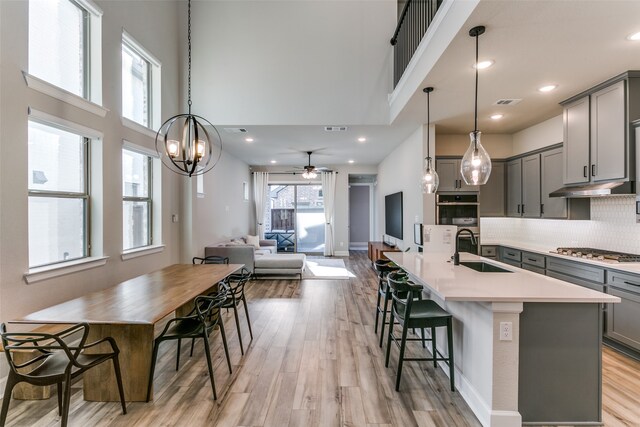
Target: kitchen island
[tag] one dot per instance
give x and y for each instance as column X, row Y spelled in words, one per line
column 527, row 347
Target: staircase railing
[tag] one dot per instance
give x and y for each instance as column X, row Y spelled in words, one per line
column 414, row 20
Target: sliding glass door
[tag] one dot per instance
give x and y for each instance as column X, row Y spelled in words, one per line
column 310, row 218
column 295, row 218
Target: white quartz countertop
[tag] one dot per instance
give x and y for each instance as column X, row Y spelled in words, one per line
column 459, row 283
column 628, row 267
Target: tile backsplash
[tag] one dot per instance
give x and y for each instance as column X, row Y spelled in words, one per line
column 612, row 226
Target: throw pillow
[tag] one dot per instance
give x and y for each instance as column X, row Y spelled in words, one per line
column 253, row 240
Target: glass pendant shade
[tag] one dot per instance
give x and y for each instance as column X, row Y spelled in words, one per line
column 185, row 145
column 475, row 167
column 430, row 179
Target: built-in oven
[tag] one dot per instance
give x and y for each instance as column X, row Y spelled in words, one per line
column 463, row 211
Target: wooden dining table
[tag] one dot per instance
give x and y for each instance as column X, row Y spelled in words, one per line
column 128, row 312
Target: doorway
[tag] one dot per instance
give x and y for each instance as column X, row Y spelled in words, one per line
column 360, row 211
column 295, row 218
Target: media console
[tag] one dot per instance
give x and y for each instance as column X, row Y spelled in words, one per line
column 376, row 250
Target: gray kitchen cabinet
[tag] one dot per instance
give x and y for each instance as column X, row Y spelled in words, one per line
column 531, row 186
column 533, row 259
column 608, row 133
column 597, row 144
column 576, row 141
column 623, row 319
column 509, row 254
column 448, row 174
column 514, row 187
column 551, row 180
column 523, row 187
column 450, row 177
column 492, row 194
column 489, row 251
column 578, row 273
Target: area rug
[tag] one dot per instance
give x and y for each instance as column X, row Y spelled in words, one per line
column 326, row 268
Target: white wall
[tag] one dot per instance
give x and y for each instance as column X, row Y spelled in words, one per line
column 285, row 62
column 538, row 136
column 222, row 213
column 499, row 146
column 154, row 27
column 401, row 171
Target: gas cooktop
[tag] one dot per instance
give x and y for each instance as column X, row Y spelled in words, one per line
column 598, row 254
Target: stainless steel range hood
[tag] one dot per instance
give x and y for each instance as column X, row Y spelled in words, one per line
column 618, row 188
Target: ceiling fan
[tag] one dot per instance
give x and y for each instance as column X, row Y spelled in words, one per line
column 310, row 171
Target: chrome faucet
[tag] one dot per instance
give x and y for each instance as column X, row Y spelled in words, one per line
column 456, row 255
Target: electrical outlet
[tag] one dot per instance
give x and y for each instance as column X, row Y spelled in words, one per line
column 341, row 244
column 506, row 331
column 174, row 218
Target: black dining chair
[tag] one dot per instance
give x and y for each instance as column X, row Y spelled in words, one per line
column 409, row 312
column 199, row 323
column 235, row 284
column 55, row 362
column 211, row 259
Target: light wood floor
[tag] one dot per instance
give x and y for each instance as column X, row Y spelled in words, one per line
column 314, row 361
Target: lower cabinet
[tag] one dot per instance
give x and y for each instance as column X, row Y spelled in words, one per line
column 623, row 319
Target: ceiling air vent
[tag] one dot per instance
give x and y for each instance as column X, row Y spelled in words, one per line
column 235, row 130
column 335, row 128
column 507, row 101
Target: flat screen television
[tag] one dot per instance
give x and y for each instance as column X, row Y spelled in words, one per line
column 393, row 215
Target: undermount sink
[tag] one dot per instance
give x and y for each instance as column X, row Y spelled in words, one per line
column 484, row 267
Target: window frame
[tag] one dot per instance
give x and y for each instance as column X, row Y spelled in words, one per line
column 85, row 195
column 154, row 90
column 148, row 200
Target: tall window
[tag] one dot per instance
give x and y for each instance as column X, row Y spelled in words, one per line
column 59, row 44
column 136, row 82
column 58, row 195
column 140, row 84
column 136, row 199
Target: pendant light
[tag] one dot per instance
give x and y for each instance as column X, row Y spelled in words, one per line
column 475, row 167
column 430, row 179
column 184, row 142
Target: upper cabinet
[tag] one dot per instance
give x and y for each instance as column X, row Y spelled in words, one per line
column 492, row 197
column 576, row 141
column 523, row 187
column 609, row 134
column 450, row 177
column 551, row 180
column 598, row 145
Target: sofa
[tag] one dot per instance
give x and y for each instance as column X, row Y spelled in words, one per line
column 259, row 261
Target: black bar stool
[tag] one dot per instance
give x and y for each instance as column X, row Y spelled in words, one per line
column 383, row 268
column 410, row 313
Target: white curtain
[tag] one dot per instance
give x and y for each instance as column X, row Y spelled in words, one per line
column 260, row 188
column 329, row 196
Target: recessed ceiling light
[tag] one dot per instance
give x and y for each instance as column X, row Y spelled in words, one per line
column 362, row 139
column 351, row 161
column 273, row 161
column 634, row 37
column 249, row 139
column 547, row 88
column 497, row 116
column 483, row 64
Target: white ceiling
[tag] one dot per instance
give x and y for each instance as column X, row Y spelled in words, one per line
column 572, row 43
